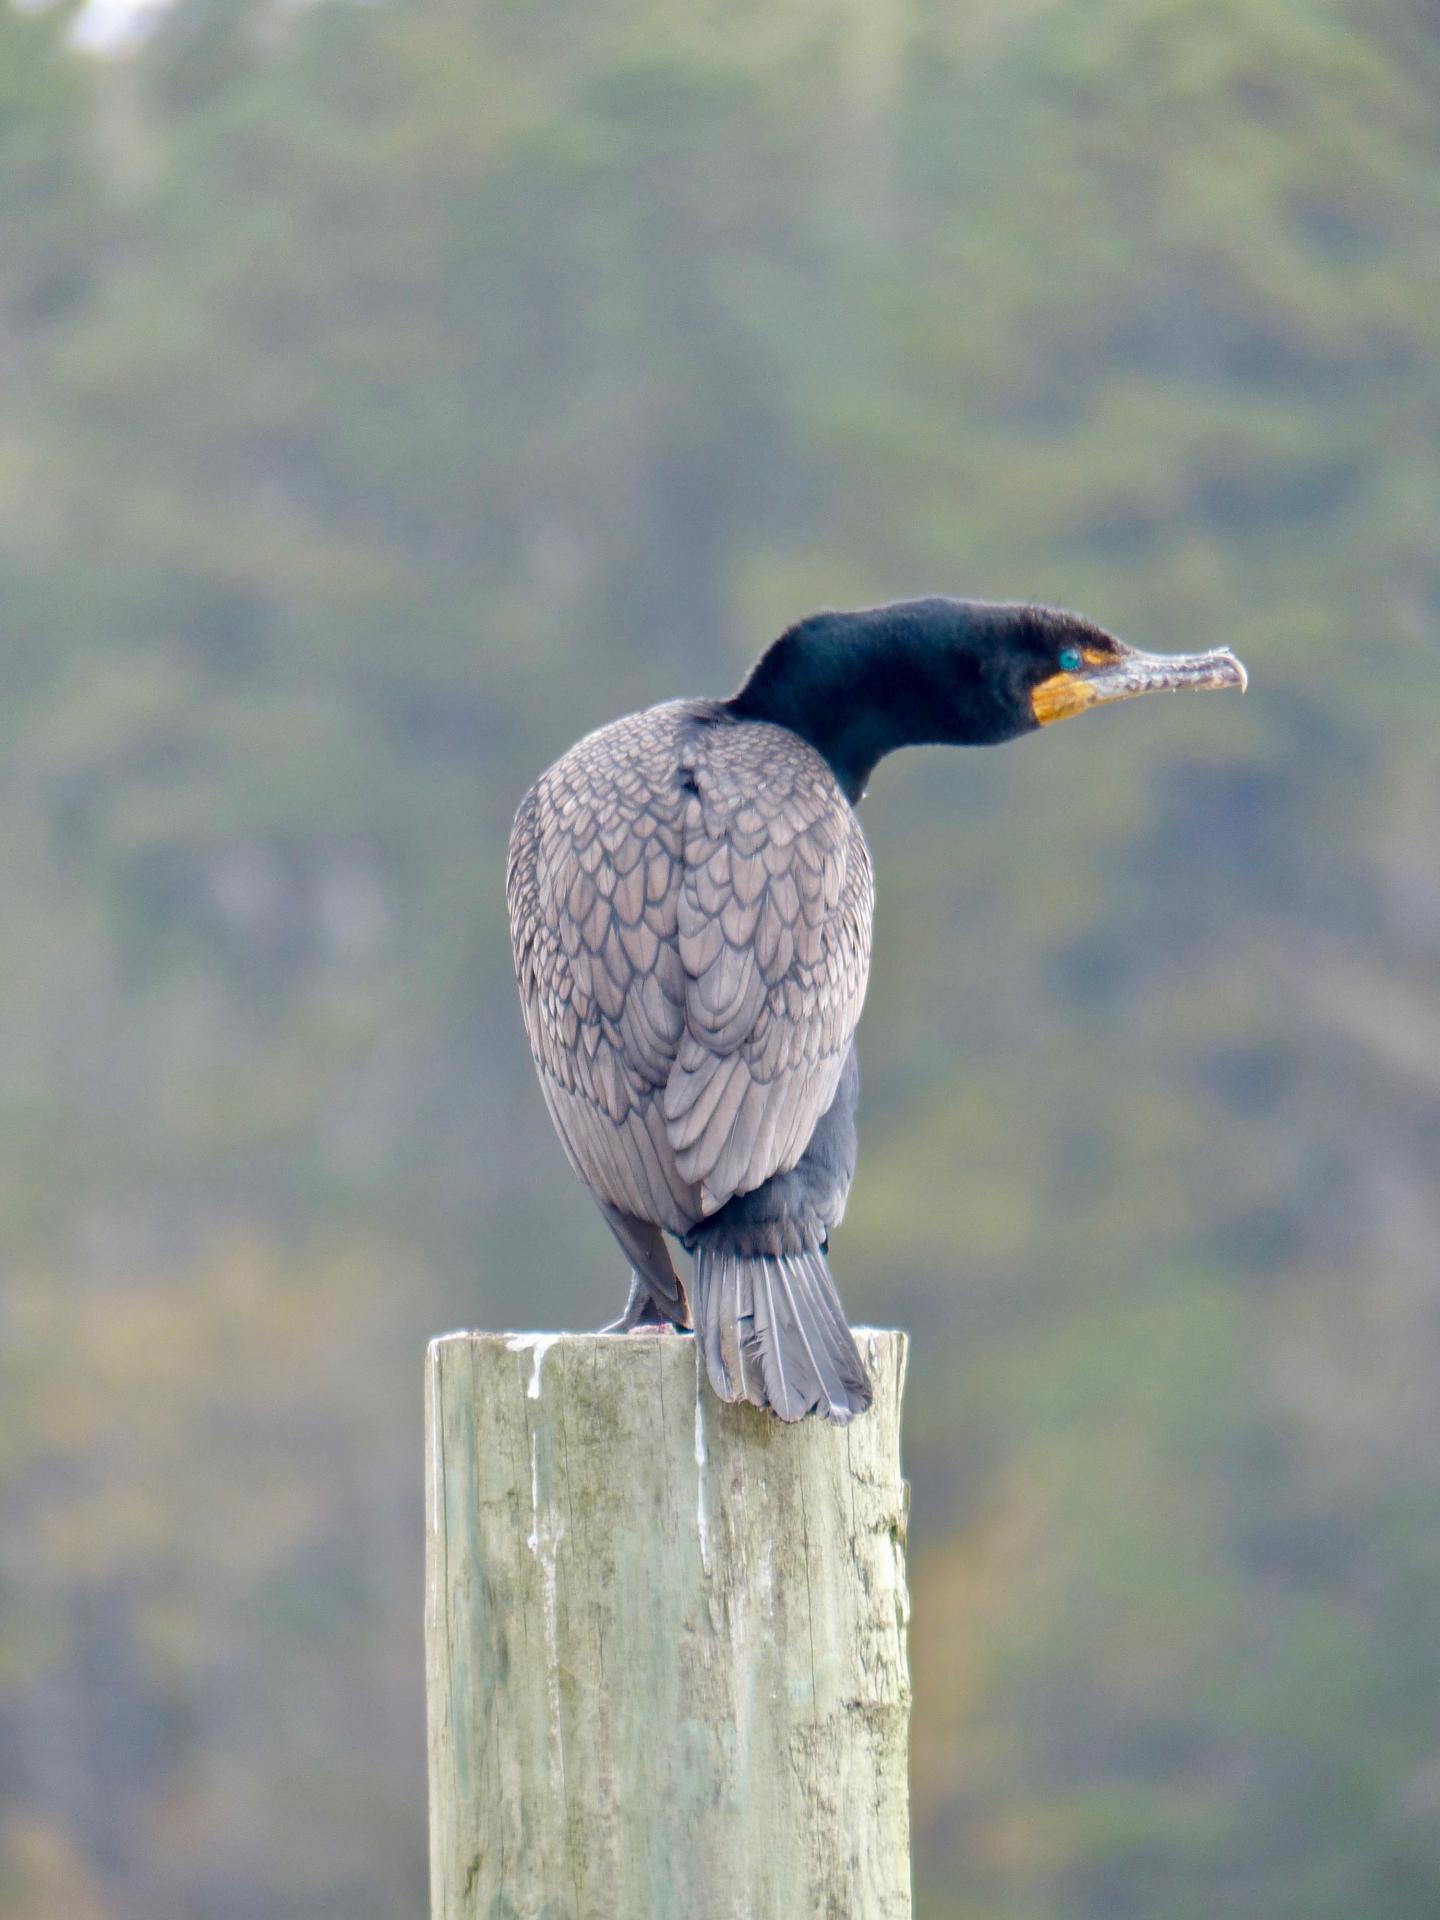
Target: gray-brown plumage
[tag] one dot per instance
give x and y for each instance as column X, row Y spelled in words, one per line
column 690, row 901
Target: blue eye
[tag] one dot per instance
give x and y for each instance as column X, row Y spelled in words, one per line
column 1069, row 658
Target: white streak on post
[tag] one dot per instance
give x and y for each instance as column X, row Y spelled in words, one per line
column 533, row 1540
column 702, row 1518
column 538, row 1343
column 550, row 1539
column 542, row 1540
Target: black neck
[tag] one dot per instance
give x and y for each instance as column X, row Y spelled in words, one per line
column 857, row 686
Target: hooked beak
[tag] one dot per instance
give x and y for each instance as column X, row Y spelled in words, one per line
column 1102, row 678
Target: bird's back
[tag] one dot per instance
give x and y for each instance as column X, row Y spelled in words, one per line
column 690, row 902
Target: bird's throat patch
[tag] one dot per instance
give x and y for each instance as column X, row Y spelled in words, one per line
column 1060, row 697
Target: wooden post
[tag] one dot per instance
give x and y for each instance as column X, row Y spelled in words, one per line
column 665, row 1640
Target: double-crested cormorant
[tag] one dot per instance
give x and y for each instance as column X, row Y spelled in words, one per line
column 690, row 899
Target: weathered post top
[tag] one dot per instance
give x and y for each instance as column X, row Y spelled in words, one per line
column 665, row 1640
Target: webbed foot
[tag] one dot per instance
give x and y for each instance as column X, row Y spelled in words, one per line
column 641, row 1314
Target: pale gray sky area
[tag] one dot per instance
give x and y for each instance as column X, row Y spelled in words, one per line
column 105, row 26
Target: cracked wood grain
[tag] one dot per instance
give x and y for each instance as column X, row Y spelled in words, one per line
column 665, row 1640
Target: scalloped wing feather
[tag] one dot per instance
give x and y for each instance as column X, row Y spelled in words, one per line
column 690, row 906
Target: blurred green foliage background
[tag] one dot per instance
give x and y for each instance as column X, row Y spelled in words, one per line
column 393, row 392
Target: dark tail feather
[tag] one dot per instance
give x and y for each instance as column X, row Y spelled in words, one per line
column 774, row 1333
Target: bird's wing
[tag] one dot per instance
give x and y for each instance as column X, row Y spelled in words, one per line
column 773, row 920
column 594, row 876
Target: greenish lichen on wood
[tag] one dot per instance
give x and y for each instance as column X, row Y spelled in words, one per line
column 665, row 1640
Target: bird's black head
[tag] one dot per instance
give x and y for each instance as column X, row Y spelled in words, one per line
column 950, row 672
